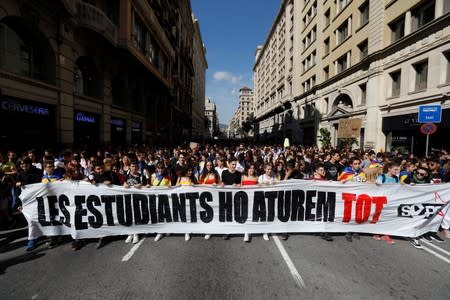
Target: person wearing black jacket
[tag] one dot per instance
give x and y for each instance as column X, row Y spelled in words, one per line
column 231, row 176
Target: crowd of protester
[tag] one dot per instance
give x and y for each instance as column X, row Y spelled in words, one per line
column 143, row 167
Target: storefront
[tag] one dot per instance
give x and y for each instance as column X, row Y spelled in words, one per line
column 136, row 132
column 86, row 128
column 403, row 134
column 26, row 124
column 118, row 131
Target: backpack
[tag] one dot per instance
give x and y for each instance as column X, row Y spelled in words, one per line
column 383, row 176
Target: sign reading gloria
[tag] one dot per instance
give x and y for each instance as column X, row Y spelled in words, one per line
column 349, row 128
column 82, row 117
column 430, row 114
column 86, row 211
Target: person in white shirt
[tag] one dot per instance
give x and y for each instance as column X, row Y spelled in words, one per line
column 267, row 178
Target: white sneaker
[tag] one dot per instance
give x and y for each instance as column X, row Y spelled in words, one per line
column 207, row 236
column 158, row 237
column 265, row 236
column 129, row 239
column 135, row 238
column 246, row 237
column 187, row 236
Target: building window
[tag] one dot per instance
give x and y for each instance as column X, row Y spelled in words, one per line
column 139, row 34
column 397, row 29
column 326, row 102
column 326, row 46
column 363, row 49
column 342, row 4
column 447, row 58
column 342, row 32
column 341, row 64
column 396, row 79
column 363, row 88
column 421, row 75
column 422, row 14
column 364, row 13
column 326, row 73
column 327, row 18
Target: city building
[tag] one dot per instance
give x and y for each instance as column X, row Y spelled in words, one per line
column 95, row 72
column 355, row 59
column 211, row 118
column 198, row 84
column 244, row 113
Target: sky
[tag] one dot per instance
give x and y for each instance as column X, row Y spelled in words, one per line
column 231, row 30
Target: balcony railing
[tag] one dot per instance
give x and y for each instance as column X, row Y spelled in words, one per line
column 93, row 18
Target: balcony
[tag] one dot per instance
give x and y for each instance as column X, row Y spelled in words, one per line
column 93, row 18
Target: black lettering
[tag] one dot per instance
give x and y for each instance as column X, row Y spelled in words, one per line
column 284, row 205
column 192, row 205
column 153, row 213
column 95, row 221
column 207, row 215
column 259, row 207
column 63, row 201
column 53, row 211
column 80, row 212
column 298, row 200
column 326, row 203
column 309, row 216
column 41, row 212
column 108, row 200
column 179, row 207
column 271, row 196
column 164, row 209
column 240, row 207
column 225, row 206
column 140, row 209
column 124, row 212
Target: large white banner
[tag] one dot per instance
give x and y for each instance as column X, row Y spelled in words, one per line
column 87, row 211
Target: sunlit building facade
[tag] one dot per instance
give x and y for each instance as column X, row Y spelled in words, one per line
column 374, row 60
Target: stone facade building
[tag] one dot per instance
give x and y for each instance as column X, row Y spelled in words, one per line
column 198, row 90
column 212, row 120
column 374, row 60
column 95, row 72
column 245, row 112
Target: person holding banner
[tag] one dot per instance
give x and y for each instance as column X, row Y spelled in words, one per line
column 186, row 178
column 356, row 174
column 249, row 178
column 209, row 176
column 160, row 178
column 232, row 177
column 390, row 177
column 267, row 178
column 137, row 180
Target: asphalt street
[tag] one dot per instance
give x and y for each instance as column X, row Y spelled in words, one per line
column 303, row 267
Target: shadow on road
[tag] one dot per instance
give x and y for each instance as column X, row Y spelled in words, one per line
column 5, row 264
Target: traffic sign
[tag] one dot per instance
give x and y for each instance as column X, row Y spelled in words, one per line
column 430, row 114
column 428, row 128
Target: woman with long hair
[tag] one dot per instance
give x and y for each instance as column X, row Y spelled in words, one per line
column 249, row 178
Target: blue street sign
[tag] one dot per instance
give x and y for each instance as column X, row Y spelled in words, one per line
column 430, row 114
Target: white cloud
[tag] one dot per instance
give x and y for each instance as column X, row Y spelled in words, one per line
column 227, row 76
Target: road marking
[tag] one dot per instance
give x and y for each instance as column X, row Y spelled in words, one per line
column 436, row 247
column 297, row 278
column 435, row 253
column 133, row 250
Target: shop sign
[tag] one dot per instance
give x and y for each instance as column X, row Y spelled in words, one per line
column 81, row 117
column 430, row 114
column 13, row 106
column 118, row 122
